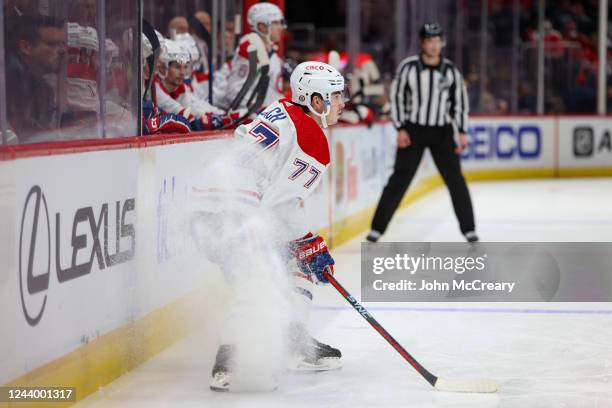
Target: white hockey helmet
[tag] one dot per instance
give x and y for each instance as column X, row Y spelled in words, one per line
column 173, row 51
column 264, row 13
column 82, row 37
column 189, row 42
column 112, row 53
column 312, row 77
column 147, row 48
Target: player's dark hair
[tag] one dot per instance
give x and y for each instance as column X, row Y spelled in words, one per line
column 305, row 108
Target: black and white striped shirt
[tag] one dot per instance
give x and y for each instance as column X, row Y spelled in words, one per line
column 428, row 95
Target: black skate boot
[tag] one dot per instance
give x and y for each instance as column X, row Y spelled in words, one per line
column 309, row 354
column 222, row 370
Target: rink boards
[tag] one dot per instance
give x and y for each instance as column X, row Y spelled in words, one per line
column 93, row 279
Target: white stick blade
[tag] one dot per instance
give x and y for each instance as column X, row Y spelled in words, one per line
column 475, row 386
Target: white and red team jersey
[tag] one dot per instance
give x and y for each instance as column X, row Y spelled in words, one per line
column 199, row 84
column 228, row 81
column 180, row 101
column 275, row 87
column 82, row 69
column 283, row 155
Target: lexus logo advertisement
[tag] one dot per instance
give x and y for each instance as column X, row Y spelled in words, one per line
column 41, row 245
column 34, row 244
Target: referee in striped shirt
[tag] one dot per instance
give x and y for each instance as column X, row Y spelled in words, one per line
column 428, row 99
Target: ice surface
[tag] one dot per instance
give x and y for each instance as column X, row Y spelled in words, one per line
column 542, row 355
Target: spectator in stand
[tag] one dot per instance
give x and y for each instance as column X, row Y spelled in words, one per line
column 526, row 99
column 553, row 40
column 36, row 45
column 584, row 22
column 488, row 104
column 472, row 83
column 583, row 98
column 586, row 47
column 562, row 14
column 364, row 86
column 204, row 18
column 502, row 107
column 501, row 21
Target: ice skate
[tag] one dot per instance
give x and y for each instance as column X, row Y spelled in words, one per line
column 309, row 354
column 225, row 378
column 221, row 372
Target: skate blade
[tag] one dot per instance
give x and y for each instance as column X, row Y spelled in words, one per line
column 325, row 364
column 239, row 385
column 220, row 382
column 246, row 389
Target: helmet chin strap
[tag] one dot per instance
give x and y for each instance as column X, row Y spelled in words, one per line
column 265, row 36
column 323, row 115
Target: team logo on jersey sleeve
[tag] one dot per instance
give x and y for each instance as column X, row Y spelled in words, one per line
column 264, row 135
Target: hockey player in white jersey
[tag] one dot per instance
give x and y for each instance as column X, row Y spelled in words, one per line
column 233, row 85
column 170, row 93
column 284, row 154
column 196, row 79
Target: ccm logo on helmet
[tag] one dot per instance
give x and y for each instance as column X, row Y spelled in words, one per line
column 315, row 67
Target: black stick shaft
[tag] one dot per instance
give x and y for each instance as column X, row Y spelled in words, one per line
column 381, row 330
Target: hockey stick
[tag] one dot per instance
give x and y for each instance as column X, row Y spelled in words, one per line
column 251, row 76
column 149, row 32
column 260, row 91
column 203, row 33
column 441, row 384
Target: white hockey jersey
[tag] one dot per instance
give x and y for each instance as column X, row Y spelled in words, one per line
column 180, row 100
column 228, row 81
column 199, row 84
column 277, row 161
column 275, row 87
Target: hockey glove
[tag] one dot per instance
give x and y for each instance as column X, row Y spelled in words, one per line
column 166, row 123
column 312, row 257
column 210, row 121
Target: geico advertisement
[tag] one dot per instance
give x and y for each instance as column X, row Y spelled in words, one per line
column 509, row 143
column 585, row 143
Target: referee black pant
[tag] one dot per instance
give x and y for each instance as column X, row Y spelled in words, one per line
column 441, row 143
